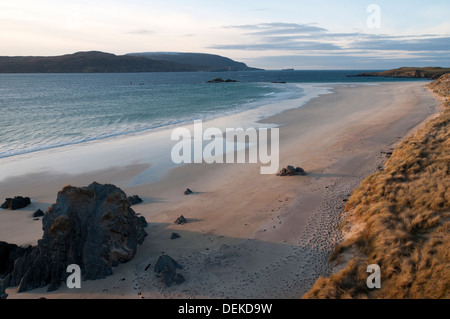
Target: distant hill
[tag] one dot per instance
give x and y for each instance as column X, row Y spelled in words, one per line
column 200, row 61
column 100, row 62
column 410, row 72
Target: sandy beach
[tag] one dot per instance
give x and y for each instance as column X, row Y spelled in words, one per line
column 248, row 235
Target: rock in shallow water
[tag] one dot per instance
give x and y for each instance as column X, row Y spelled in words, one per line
column 93, row 227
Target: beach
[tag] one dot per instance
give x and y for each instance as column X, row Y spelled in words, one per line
column 248, row 235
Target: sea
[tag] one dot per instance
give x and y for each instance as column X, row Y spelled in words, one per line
column 49, row 111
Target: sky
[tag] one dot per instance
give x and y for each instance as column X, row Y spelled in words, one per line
column 314, row 34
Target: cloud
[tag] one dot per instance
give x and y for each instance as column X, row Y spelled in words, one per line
column 348, row 62
column 141, row 32
column 309, row 46
column 291, row 37
column 405, row 44
column 287, row 45
column 280, row 36
column 276, row 28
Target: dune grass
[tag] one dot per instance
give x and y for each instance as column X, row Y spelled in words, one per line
column 399, row 219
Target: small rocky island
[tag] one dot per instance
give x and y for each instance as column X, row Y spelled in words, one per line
column 220, row 80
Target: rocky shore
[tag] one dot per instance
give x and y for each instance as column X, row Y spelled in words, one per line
column 93, row 227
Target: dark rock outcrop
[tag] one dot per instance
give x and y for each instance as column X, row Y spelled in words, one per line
column 17, row 202
column 93, row 227
column 292, row 171
column 220, row 80
column 3, row 294
column 181, row 220
column 38, row 213
column 175, row 236
column 9, row 253
column 188, row 192
column 166, row 267
column 134, row 200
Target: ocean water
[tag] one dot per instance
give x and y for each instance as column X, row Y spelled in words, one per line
column 46, row 111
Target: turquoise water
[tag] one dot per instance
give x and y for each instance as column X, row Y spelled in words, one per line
column 42, row 111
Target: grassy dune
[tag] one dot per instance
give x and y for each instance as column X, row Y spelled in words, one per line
column 399, row 218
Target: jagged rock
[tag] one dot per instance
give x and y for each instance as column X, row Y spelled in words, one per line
column 93, row 227
column 291, row 171
column 3, row 294
column 135, row 199
column 188, row 192
column 38, row 213
column 9, row 253
column 175, row 236
column 5, row 249
column 181, row 220
column 166, row 267
column 17, row 202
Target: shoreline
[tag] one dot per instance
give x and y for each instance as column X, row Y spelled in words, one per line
column 280, row 245
column 150, row 147
column 78, row 158
column 385, row 209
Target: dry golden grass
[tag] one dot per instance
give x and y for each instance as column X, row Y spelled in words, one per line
column 405, row 213
column 442, row 85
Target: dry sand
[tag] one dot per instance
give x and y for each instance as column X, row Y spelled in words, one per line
column 248, row 235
